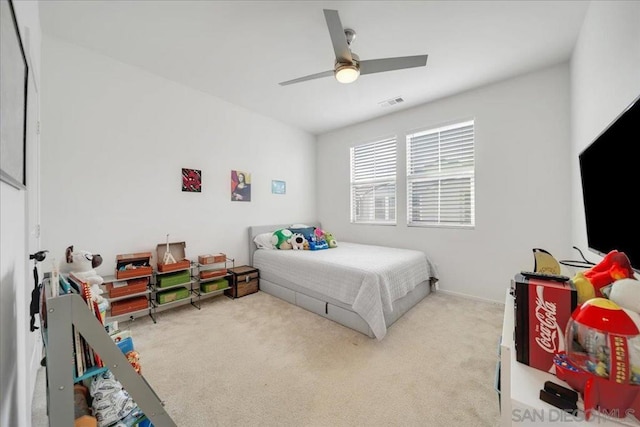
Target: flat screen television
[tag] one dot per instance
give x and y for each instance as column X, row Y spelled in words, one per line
column 610, row 174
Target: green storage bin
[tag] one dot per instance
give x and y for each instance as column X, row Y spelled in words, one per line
column 172, row 295
column 214, row 285
column 172, row 279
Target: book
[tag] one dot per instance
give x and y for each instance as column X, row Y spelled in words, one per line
column 77, row 349
column 55, row 279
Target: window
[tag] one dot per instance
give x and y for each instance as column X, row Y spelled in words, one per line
column 373, row 182
column 440, row 176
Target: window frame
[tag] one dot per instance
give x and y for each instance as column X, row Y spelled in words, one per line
column 466, row 172
column 373, row 180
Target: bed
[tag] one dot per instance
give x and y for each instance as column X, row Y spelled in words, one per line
column 363, row 287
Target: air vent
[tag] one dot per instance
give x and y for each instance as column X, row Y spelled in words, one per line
column 390, row 102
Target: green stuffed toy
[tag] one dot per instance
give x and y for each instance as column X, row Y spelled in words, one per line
column 331, row 241
column 281, row 239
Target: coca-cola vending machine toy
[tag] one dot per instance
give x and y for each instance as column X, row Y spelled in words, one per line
column 542, row 309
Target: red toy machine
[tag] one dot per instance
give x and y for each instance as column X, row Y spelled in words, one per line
column 602, row 360
column 542, row 310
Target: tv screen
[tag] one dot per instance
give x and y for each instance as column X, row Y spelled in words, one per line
column 610, row 173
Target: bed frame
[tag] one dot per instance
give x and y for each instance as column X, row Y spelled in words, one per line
column 326, row 306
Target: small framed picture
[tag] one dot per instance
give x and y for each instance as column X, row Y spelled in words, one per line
column 278, row 187
column 192, row 180
column 240, row 186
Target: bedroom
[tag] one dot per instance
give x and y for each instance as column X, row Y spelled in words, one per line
column 530, row 128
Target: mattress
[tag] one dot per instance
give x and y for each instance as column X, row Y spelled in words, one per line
column 366, row 278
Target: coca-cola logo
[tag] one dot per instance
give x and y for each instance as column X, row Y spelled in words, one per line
column 549, row 335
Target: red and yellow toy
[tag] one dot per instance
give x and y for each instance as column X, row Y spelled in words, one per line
column 602, row 360
column 614, row 266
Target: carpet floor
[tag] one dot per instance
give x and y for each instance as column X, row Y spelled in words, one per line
column 258, row 360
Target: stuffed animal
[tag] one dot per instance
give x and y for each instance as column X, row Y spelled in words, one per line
column 318, row 233
column 626, row 293
column 297, row 241
column 614, row 266
column 82, row 264
column 281, row 239
column 331, row 241
column 584, row 288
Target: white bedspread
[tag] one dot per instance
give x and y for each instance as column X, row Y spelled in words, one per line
column 368, row 278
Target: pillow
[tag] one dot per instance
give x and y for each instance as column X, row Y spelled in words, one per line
column 307, row 232
column 263, row 241
column 299, row 226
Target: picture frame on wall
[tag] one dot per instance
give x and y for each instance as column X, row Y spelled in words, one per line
column 14, row 72
column 278, row 187
column 192, row 180
column 240, row 186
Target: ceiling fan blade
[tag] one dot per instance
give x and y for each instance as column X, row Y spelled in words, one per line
column 389, row 64
column 338, row 38
column 309, row 77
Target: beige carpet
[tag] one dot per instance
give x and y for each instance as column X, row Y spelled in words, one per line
column 258, row 360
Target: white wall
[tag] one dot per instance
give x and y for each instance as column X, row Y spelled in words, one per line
column 522, row 182
column 605, row 79
column 20, row 349
column 114, row 140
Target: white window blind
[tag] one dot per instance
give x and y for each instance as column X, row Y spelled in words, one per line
column 373, row 182
column 440, row 176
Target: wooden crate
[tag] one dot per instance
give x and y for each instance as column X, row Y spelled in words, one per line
column 211, row 258
column 129, row 305
column 177, row 249
column 243, row 280
column 210, row 274
column 134, row 286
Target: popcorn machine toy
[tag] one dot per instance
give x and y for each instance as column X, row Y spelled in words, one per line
column 602, row 360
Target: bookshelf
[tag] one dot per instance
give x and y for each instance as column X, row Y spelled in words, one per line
column 60, row 315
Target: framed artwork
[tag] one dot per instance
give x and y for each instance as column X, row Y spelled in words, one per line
column 192, row 180
column 13, row 99
column 240, row 186
column 278, row 187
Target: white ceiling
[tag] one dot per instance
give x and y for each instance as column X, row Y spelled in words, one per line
column 240, row 50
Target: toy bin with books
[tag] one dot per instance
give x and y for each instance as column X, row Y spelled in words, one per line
column 133, row 265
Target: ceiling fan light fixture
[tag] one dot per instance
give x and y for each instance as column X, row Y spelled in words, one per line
column 347, row 73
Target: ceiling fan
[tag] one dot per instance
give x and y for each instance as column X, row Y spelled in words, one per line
column 348, row 65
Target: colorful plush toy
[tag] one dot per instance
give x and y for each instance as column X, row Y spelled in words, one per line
column 316, row 246
column 614, row 266
column 318, row 234
column 331, row 241
column 583, row 287
column 281, row 239
column 626, row 293
column 297, row 241
column 82, row 264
